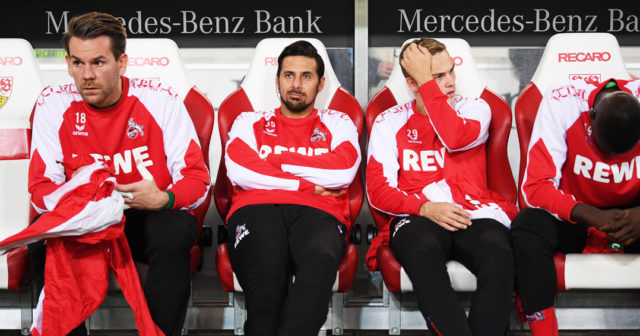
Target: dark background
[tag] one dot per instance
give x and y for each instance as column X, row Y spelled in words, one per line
column 385, row 22
column 28, row 19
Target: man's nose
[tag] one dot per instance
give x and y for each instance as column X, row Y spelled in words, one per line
column 450, row 79
column 297, row 82
column 88, row 72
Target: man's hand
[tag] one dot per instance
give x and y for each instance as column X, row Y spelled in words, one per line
column 416, row 61
column 75, row 172
column 322, row 191
column 447, row 215
column 598, row 218
column 627, row 229
column 146, row 195
column 384, row 69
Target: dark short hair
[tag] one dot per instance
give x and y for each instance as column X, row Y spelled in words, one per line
column 432, row 45
column 302, row 48
column 618, row 122
column 95, row 24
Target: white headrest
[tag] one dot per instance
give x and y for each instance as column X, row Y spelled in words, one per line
column 570, row 56
column 260, row 82
column 159, row 59
column 20, row 83
column 468, row 82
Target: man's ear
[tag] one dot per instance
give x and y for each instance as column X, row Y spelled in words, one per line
column 278, row 87
column 68, row 59
column 413, row 86
column 123, row 60
column 321, row 84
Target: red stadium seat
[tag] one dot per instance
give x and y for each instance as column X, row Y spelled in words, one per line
column 20, row 85
column 499, row 176
column 258, row 93
column 160, row 59
column 561, row 62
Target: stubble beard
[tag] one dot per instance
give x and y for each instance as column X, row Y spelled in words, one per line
column 296, row 106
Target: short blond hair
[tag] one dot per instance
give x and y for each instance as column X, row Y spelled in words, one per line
column 433, row 46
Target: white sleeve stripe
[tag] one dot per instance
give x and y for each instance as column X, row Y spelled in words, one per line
column 243, row 122
column 248, row 179
column 47, row 121
column 554, row 117
column 388, row 155
column 170, row 114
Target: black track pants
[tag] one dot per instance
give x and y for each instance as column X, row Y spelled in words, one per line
column 422, row 247
column 536, row 236
column 268, row 242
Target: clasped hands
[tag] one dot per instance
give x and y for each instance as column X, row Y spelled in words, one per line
column 621, row 225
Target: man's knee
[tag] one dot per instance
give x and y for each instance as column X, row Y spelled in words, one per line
column 418, row 235
column 331, row 249
column 323, row 258
column 171, row 231
column 533, row 224
column 497, row 264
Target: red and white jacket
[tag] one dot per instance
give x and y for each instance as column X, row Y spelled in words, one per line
column 438, row 157
column 85, row 240
column 565, row 167
column 148, row 124
column 274, row 159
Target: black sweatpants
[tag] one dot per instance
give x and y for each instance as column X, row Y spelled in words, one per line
column 162, row 239
column 536, row 236
column 423, row 247
column 268, row 242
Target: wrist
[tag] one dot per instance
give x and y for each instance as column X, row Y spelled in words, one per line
column 422, row 209
column 423, row 79
column 581, row 213
column 171, row 199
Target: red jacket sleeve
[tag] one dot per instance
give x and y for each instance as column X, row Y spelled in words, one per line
column 382, row 173
column 247, row 170
column 459, row 129
column 334, row 169
column 184, row 158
